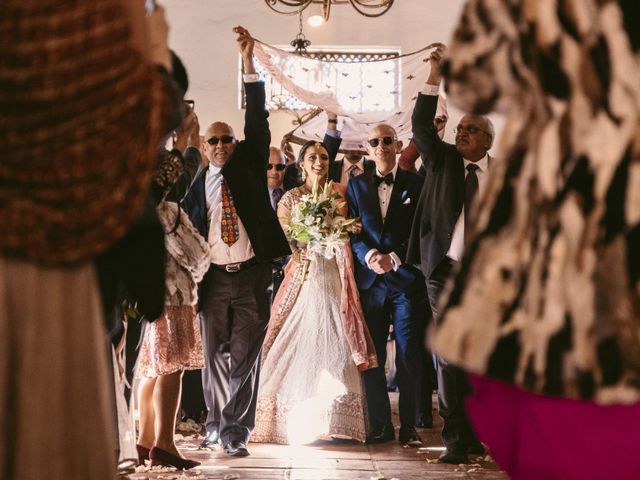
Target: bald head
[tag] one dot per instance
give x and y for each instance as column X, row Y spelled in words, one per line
column 383, row 146
column 219, row 128
column 219, row 143
column 382, row 129
column 276, row 154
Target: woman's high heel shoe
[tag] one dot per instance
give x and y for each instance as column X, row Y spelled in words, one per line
column 162, row 457
column 143, row 454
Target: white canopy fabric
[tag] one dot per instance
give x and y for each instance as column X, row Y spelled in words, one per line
column 351, row 90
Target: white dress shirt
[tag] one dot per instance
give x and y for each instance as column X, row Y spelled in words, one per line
column 456, row 249
column 428, row 89
column 221, row 253
column 384, row 197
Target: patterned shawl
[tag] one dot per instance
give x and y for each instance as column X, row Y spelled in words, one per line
column 80, row 121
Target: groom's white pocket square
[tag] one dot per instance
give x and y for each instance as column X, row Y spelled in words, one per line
column 407, row 201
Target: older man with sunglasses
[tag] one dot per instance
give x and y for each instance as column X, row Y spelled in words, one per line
column 456, row 178
column 275, row 175
column 229, row 203
column 275, row 182
column 391, row 291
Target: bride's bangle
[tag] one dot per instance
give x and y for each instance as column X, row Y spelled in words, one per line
column 296, row 255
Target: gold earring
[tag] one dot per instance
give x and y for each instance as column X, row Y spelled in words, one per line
column 303, row 175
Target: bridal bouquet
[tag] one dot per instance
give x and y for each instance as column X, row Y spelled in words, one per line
column 316, row 221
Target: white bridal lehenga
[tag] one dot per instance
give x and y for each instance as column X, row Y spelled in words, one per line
column 317, row 343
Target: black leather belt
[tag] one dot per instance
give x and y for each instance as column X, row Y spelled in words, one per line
column 236, row 267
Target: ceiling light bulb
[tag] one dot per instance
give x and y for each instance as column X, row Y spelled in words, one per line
column 315, row 20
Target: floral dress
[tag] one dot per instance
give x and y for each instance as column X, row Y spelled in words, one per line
column 172, row 342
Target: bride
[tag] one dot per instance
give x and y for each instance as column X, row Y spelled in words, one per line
column 317, row 342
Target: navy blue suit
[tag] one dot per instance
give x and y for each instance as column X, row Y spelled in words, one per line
column 397, row 297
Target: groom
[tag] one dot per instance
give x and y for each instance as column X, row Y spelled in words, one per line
column 391, row 292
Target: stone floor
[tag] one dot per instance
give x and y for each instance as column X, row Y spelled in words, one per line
column 329, row 460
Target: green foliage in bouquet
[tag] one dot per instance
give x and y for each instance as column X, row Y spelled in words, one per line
column 318, row 222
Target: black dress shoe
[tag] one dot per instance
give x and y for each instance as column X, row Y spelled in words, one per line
column 162, row 457
column 211, row 440
column 382, row 435
column 408, row 437
column 236, row 448
column 452, row 457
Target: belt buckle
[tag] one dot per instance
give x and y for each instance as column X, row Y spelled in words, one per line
column 232, row 267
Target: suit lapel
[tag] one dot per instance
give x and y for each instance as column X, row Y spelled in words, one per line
column 202, row 200
column 374, row 200
column 369, row 165
column 396, row 198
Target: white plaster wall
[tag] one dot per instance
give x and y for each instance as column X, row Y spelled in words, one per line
column 200, row 32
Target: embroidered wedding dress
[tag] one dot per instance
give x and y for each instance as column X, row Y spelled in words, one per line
column 315, row 348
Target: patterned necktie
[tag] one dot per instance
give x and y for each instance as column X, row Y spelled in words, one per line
column 276, row 195
column 229, row 230
column 353, row 171
column 470, row 192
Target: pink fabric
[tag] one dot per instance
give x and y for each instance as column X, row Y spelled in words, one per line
column 355, row 328
column 171, row 343
column 353, row 322
column 538, row 437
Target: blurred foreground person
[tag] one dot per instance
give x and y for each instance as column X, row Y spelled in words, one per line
column 75, row 170
column 546, row 311
column 171, row 343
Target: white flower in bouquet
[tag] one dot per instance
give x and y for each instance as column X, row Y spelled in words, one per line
column 316, row 221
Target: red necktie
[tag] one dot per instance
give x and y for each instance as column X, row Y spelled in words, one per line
column 229, row 229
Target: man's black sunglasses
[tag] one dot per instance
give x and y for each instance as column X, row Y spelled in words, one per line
column 279, row 166
column 225, row 139
column 374, row 142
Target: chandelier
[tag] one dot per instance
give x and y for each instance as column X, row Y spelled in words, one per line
column 368, row 8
